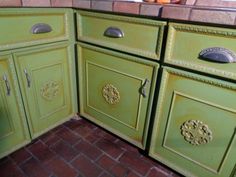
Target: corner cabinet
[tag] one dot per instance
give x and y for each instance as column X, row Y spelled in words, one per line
column 13, row 127
column 37, row 74
column 116, row 91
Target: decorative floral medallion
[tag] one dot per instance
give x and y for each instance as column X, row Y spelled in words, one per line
column 50, row 90
column 111, row 94
column 195, row 132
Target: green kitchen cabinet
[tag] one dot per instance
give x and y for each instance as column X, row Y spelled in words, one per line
column 195, row 124
column 116, row 91
column 46, row 80
column 13, row 127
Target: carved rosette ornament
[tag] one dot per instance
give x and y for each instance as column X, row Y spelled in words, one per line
column 50, row 90
column 111, row 94
column 195, row 132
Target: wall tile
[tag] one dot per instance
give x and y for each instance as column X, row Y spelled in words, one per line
column 213, row 16
column 216, row 3
column 85, row 4
column 36, row 3
column 102, row 5
column 61, row 3
column 126, row 7
column 10, row 3
column 150, row 9
column 176, row 12
column 190, row 2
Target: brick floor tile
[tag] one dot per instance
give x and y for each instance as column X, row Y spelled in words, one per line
column 33, row 168
column 60, row 168
column 119, row 170
column 73, row 124
column 126, row 146
column 83, row 131
column 157, row 173
column 68, row 136
column 20, row 156
column 51, row 139
column 104, row 134
column 41, row 151
column 104, row 174
column 132, row 174
column 59, row 127
column 106, row 162
column 86, row 166
column 91, row 151
column 64, row 150
column 92, row 138
column 9, row 169
column 135, row 162
column 109, row 147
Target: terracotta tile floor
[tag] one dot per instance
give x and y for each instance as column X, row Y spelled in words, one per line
column 78, row 148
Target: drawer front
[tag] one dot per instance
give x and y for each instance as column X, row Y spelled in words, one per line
column 185, row 42
column 29, row 27
column 195, row 125
column 116, row 92
column 138, row 36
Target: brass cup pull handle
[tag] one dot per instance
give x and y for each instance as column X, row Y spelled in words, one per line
column 144, row 87
column 27, row 76
column 114, row 32
column 218, row 54
column 41, row 28
column 7, row 84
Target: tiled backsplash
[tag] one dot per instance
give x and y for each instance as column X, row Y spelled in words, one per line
column 210, row 11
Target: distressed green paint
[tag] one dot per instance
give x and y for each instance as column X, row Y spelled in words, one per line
column 13, row 128
column 16, row 26
column 141, row 36
column 129, row 116
column 48, row 100
column 186, row 96
column 185, row 42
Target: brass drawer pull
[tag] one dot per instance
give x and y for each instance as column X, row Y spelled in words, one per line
column 27, row 78
column 144, row 87
column 7, row 84
column 114, row 32
column 41, row 28
column 218, row 54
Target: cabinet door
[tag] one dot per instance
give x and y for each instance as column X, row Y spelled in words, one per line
column 195, row 125
column 13, row 128
column 116, row 91
column 44, row 78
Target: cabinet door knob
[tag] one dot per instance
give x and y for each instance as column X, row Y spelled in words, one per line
column 144, row 87
column 41, row 28
column 7, row 84
column 218, row 54
column 27, row 76
column 114, row 32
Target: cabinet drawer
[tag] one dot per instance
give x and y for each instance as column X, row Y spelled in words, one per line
column 185, row 42
column 135, row 35
column 29, row 27
column 116, row 92
column 195, row 125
